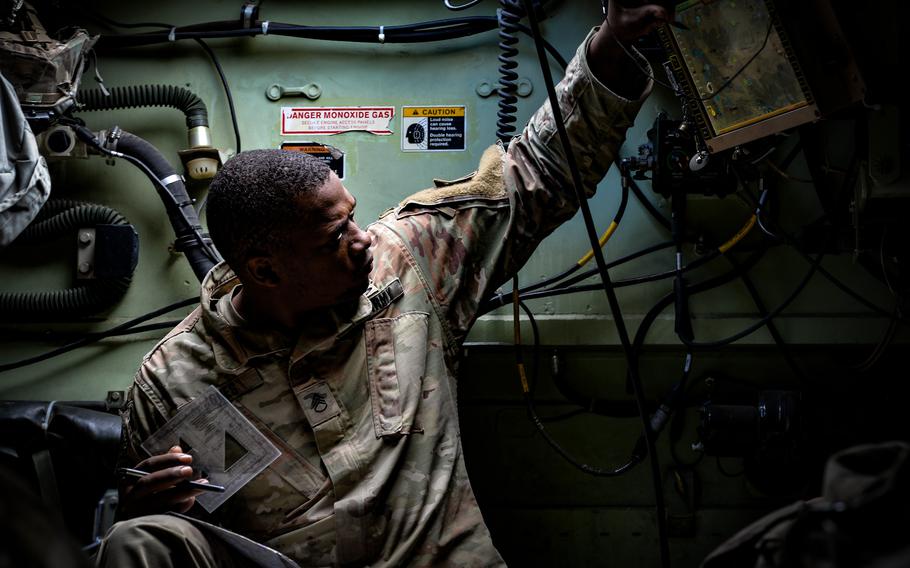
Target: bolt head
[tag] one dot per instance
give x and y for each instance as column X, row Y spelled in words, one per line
column 85, row 237
column 85, row 268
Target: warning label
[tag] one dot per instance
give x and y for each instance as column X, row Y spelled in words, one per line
column 432, row 129
column 331, row 155
column 334, row 120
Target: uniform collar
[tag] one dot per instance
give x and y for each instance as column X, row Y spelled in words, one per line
column 235, row 341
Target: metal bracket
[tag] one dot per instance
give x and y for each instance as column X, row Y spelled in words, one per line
column 85, row 254
column 276, row 92
column 249, row 13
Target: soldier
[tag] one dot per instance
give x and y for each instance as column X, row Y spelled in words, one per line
column 340, row 344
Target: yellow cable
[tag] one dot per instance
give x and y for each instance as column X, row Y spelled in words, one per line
column 517, row 323
column 738, row 236
column 524, row 378
column 602, row 241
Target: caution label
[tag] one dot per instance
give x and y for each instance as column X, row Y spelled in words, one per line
column 334, row 120
column 432, row 128
column 331, row 155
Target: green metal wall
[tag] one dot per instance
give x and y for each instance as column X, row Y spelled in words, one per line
column 538, row 507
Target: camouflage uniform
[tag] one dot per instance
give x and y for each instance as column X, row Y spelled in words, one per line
column 374, row 473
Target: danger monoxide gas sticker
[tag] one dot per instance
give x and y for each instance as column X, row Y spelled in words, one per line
column 334, row 120
column 432, row 128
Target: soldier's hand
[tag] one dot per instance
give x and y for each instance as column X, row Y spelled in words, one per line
column 609, row 55
column 158, row 492
column 628, row 20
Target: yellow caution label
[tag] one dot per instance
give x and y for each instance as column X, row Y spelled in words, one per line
column 433, row 111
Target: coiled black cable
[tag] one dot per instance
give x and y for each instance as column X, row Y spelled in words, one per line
column 509, row 15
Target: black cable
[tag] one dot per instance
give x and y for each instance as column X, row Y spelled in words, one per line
column 528, row 395
column 465, row 6
column 617, row 218
column 635, row 280
column 114, row 23
column 502, row 299
column 607, row 285
column 554, row 53
column 170, row 324
column 93, row 337
column 791, row 241
column 746, row 64
column 438, row 30
column 646, row 203
column 772, row 328
column 763, row 321
column 227, row 90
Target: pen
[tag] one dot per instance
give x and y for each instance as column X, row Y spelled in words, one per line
column 137, row 473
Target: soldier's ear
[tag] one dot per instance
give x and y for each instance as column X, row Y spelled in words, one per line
column 261, row 271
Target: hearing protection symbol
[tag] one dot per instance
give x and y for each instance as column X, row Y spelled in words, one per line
column 416, row 134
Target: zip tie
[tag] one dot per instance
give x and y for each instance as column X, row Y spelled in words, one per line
column 172, row 35
column 265, row 28
column 381, row 34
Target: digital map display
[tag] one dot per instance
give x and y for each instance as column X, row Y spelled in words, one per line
column 722, row 36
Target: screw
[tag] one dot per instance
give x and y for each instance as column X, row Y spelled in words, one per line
column 85, row 237
column 484, row 89
column 85, row 268
column 115, row 395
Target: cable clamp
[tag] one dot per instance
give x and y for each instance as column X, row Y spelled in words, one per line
column 172, row 35
column 265, row 27
column 381, row 34
column 111, row 139
column 173, row 178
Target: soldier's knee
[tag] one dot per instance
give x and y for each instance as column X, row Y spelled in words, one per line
column 153, row 540
column 144, row 527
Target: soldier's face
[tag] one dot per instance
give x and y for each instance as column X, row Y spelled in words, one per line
column 328, row 261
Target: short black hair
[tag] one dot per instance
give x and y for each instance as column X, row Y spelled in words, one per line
column 252, row 201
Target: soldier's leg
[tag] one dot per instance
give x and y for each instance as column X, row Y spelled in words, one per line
column 159, row 541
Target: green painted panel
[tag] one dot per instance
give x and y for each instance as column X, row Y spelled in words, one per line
column 380, row 174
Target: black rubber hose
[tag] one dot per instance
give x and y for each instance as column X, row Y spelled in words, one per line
column 191, row 239
column 56, row 217
column 136, row 96
column 71, row 219
column 90, row 298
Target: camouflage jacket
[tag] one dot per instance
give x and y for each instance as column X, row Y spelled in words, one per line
column 374, row 475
